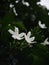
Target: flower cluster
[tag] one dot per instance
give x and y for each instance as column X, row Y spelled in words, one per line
column 20, row 36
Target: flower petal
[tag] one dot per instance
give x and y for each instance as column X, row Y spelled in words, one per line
column 29, row 34
column 42, row 25
column 31, row 42
column 11, row 31
column 21, row 34
column 14, row 36
column 32, row 38
column 34, row 42
column 46, row 41
column 16, row 29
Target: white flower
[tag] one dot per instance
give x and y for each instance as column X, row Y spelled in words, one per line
column 42, row 25
column 15, row 34
column 28, row 39
column 45, row 42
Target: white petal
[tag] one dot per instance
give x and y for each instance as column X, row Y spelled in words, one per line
column 26, row 38
column 32, row 38
column 46, row 41
column 16, row 30
column 15, row 12
column 42, row 25
column 11, row 31
column 11, row 5
column 19, row 38
column 16, row 1
column 31, row 42
column 43, row 43
column 14, row 36
column 29, row 34
column 21, row 34
column 25, row 3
